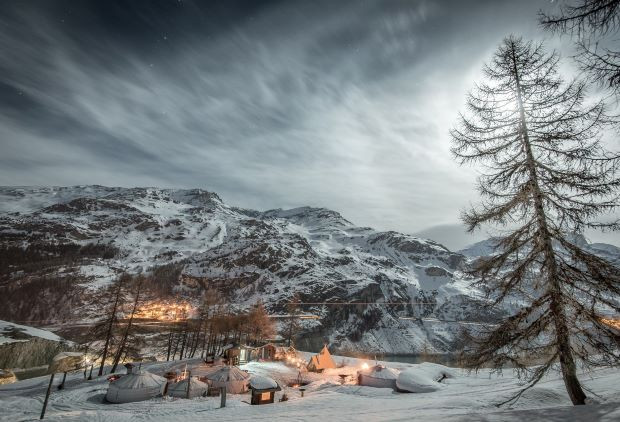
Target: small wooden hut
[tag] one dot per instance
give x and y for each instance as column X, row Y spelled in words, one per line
column 263, row 390
column 239, row 354
column 268, row 351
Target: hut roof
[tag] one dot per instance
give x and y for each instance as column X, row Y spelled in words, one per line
column 228, row 373
column 258, row 382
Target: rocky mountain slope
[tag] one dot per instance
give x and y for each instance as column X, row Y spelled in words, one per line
column 24, row 347
column 62, row 245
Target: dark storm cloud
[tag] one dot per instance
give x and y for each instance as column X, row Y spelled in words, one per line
column 342, row 104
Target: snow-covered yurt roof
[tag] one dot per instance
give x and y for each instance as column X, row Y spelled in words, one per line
column 258, row 382
column 179, row 389
column 381, row 372
column 135, row 386
column 137, row 380
column 228, row 373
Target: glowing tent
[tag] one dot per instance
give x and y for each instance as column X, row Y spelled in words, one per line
column 135, row 386
column 196, row 388
column 231, row 377
column 323, row 360
column 378, row 376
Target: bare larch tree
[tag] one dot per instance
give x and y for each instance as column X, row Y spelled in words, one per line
column 138, row 281
column 545, row 177
column 594, row 24
column 111, row 319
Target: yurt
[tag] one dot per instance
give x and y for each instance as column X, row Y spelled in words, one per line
column 378, row 376
column 323, row 360
column 231, row 377
column 135, row 386
column 196, row 388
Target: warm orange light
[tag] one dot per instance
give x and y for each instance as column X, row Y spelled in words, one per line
column 364, row 365
column 164, row 311
column 615, row 323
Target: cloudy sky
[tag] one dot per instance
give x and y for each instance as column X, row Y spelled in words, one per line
column 340, row 104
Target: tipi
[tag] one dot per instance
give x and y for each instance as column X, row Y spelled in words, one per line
column 323, row 360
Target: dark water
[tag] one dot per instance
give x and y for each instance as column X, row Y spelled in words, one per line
column 447, row 359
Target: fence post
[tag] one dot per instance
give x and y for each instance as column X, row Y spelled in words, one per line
column 222, row 397
column 189, row 382
column 47, row 396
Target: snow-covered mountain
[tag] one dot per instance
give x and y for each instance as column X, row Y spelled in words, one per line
column 248, row 255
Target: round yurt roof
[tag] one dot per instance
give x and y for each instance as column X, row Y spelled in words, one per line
column 136, row 380
column 228, row 373
column 382, row 372
column 258, row 382
column 181, row 386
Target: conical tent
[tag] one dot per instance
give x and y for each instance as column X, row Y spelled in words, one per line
column 323, row 360
column 196, row 388
column 231, row 377
column 378, row 376
column 136, row 386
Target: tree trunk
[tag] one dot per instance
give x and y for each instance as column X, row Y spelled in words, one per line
column 183, row 344
column 567, row 362
column 169, row 346
column 109, row 332
column 121, row 347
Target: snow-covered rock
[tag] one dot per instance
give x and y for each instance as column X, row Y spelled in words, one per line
column 22, row 346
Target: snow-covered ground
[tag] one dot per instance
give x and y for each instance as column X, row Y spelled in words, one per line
column 11, row 332
column 467, row 397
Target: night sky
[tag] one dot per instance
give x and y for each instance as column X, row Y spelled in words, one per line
column 340, row 104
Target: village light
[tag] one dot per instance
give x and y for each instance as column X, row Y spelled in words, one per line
column 615, row 323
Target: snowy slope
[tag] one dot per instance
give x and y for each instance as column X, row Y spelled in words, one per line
column 11, row 333
column 248, row 255
column 466, row 397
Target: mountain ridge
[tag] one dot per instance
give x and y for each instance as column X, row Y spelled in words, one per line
column 415, row 290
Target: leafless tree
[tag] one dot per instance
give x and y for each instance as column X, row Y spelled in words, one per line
column 593, row 23
column 117, row 298
column 545, row 177
column 292, row 322
column 121, row 349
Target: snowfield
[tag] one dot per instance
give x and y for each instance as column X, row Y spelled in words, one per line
column 11, row 333
column 466, row 397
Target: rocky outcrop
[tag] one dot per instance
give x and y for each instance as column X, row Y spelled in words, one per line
column 30, row 353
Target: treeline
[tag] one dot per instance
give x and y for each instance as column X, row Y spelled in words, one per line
column 114, row 339
column 216, row 326
column 38, row 256
column 38, row 299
